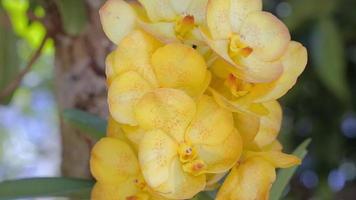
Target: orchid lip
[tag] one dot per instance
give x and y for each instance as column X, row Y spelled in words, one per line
column 238, row 48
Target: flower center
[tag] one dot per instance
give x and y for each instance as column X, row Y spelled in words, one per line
column 186, row 152
column 184, row 25
column 188, row 156
column 142, row 187
column 195, row 167
column 238, row 48
column 238, row 88
column 140, row 184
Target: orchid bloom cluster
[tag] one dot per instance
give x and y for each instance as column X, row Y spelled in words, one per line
column 192, row 94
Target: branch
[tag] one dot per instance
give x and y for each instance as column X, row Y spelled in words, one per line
column 11, row 87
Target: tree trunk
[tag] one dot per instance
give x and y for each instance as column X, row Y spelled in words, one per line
column 79, row 82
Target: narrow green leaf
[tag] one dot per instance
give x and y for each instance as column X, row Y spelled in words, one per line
column 328, row 56
column 202, row 196
column 285, row 175
column 88, row 123
column 45, row 187
column 9, row 59
column 73, row 14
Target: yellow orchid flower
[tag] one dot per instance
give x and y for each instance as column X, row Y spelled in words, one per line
column 115, row 167
column 252, row 178
column 141, row 63
column 242, row 96
column 251, row 40
column 184, row 141
column 168, row 20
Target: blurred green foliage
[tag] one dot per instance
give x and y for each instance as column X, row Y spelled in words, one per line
column 73, row 14
column 322, row 104
column 32, row 31
column 46, row 187
column 18, row 26
column 328, row 54
column 9, row 58
column 88, row 123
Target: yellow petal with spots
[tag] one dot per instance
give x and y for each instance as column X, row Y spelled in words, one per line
column 118, row 19
column 197, row 8
column 274, row 146
column 181, row 185
column 118, row 191
column 163, row 31
column 236, row 106
column 167, row 109
column 250, row 180
column 109, row 68
column 221, row 157
column 240, row 9
column 248, row 125
column 276, row 158
column 134, row 54
column 156, row 152
column 205, row 84
column 159, row 10
column 256, row 70
column 218, row 18
column 181, row 6
column 265, row 34
column 181, row 67
column 124, row 92
column 293, row 62
column 212, row 124
column 126, row 190
column 270, row 125
column 113, row 161
column 134, row 134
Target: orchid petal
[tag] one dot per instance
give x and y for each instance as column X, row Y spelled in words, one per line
column 181, row 67
column 113, row 161
column 240, row 9
column 218, row 19
column 124, row 92
column 159, row 10
column 170, row 110
column 118, row 19
column 265, row 34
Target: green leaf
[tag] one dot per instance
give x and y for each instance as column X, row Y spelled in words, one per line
column 45, row 187
column 202, row 196
column 302, row 14
column 328, row 56
column 9, row 59
column 73, row 15
column 88, row 123
column 285, row 175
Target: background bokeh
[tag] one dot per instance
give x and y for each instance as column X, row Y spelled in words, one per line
column 321, row 106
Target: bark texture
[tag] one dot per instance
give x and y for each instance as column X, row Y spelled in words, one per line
column 79, row 81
